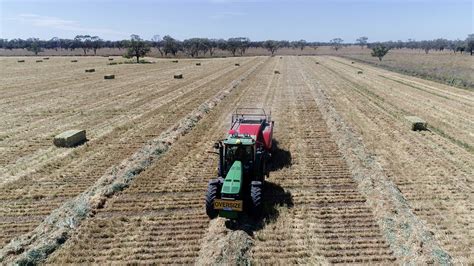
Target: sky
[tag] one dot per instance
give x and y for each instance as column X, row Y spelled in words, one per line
column 318, row 20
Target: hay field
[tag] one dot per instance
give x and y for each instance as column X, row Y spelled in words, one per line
column 350, row 183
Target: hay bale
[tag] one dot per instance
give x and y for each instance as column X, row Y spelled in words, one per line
column 352, row 62
column 70, row 138
column 178, row 76
column 21, row 61
column 90, row 70
column 109, row 77
column 115, row 63
column 174, row 61
column 417, row 123
column 45, row 58
column 281, row 57
column 73, row 61
column 39, row 61
column 237, row 64
column 317, row 63
column 110, row 59
column 276, row 72
column 360, row 72
column 198, row 64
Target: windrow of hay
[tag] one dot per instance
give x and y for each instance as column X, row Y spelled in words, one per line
column 407, row 235
column 35, row 246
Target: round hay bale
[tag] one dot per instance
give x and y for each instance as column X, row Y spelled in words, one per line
column 109, row 77
column 90, row 70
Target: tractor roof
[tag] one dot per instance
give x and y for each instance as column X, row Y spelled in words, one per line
column 236, row 140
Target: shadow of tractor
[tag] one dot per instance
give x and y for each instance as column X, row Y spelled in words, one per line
column 274, row 197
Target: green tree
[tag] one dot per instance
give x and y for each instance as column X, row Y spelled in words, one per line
column 336, row 43
column 170, row 45
column 380, row 51
column 136, row 47
column 271, row 46
column 34, row 46
column 470, row 43
column 362, row 41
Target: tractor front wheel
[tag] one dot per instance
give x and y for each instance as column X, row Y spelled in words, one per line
column 211, row 195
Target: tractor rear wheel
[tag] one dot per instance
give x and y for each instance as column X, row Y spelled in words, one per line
column 256, row 198
column 211, row 195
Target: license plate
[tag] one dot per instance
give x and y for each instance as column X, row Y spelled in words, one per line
column 228, row 205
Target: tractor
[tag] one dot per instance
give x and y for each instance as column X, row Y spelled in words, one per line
column 243, row 158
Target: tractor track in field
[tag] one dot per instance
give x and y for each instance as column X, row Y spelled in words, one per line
column 49, row 187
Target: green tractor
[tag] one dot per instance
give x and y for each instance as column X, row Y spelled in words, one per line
column 243, row 158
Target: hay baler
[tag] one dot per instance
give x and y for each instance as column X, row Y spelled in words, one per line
column 243, row 158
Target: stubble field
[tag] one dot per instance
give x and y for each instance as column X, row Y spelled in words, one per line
column 350, row 183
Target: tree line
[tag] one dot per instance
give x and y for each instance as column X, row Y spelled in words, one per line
column 195, row 47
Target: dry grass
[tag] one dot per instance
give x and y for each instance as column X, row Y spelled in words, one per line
column 319, row 208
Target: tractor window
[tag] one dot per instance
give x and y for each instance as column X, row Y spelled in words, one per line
column 243, row 153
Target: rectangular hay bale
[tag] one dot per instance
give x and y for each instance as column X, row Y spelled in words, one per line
column 110, row 59
column 21, row 61
column 70, row 138
column 178, row 76
column 417, row 123
column 73, row 61
column 198, row 64
column 90, row 70
column 39, row 61
column 237, row 64
column 174, row 61
column 45, row 58
column 276, row 72
column 109, row 77
column 360, row 72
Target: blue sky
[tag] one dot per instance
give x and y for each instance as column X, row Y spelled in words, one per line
column 319, row 20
